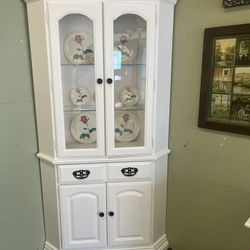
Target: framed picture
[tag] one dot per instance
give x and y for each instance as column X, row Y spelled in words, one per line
column 234, row 3
column 225, row 80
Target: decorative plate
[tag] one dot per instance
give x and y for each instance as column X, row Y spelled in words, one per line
column 127, row 47
column 79, row 96
column 126, row 127
column 129, row 96
column 79, row 48
column 83, row 128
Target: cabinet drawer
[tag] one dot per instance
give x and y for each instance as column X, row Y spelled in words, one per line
column 136, row 170
column 81, row 173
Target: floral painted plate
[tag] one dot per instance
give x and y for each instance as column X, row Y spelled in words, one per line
column 79, row 96
column 127, row 47
column 126, row 127
column 129, row 96
column 83, row 128
column 79, row 48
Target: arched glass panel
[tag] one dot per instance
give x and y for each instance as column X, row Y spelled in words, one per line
column 130, row 48
column 78, row 81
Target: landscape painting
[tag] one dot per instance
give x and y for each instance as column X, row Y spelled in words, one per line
column 222, row 80
column 225, row 52
column 241, row 108
column 242, row 80
column 220, row 106
column 243, row 57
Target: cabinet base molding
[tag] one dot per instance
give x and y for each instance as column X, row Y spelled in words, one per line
column 48, row 246
column 161, row 244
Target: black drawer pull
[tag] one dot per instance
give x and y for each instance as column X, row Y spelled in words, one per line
column 81, row 174
column 129, row 172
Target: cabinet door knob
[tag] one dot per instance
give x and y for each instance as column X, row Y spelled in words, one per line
column 99, row 81
column 111, row 213
column 101, row 214
column 109, row 80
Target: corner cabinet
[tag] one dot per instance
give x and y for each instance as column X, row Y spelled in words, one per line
column 102, row 75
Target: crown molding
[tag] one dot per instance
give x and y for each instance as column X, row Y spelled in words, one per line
column 168, row 1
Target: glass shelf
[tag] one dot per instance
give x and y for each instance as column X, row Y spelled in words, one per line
column 93, row 108
column 130, row 108
column 82, row 65
column 79, row 109
column 76, row 65
column 133, row 64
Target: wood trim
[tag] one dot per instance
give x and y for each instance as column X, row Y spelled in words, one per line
column 209, row 35
column 168, row 1
column 69, row 161
column 49, row 246
column 161, row 244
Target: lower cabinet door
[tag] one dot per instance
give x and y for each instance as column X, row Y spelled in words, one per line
column 129, row 213
column 83, row 216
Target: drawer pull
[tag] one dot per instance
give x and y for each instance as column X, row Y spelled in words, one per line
column 129, row 172
column 81, row 174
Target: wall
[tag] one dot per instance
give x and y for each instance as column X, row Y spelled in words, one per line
column 21, row 219
column 209, row 172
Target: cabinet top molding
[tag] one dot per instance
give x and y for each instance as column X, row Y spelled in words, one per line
column 63, row 1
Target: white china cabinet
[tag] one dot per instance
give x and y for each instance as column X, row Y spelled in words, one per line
column 102, row 73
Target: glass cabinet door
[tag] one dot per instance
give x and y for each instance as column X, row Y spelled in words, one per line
column 129, row 83
column 76, row 37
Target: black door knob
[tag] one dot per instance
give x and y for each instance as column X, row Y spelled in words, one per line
column 109, row 80
column 99, row 81
column 111, row 213
column 101, row 214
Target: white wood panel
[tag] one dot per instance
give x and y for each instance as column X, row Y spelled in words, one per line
column 92, row 11
column 131, row 204
column 81, row 224
column 50, row 203
column 160, row 197
column 112, row 10
column 41, row 76
column 97, row 172
column 145, row 171
column 163, row 75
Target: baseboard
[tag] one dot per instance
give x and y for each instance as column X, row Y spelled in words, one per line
column 160, row 244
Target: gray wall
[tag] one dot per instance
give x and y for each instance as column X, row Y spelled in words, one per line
column 209, row 172
column 21, row 219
